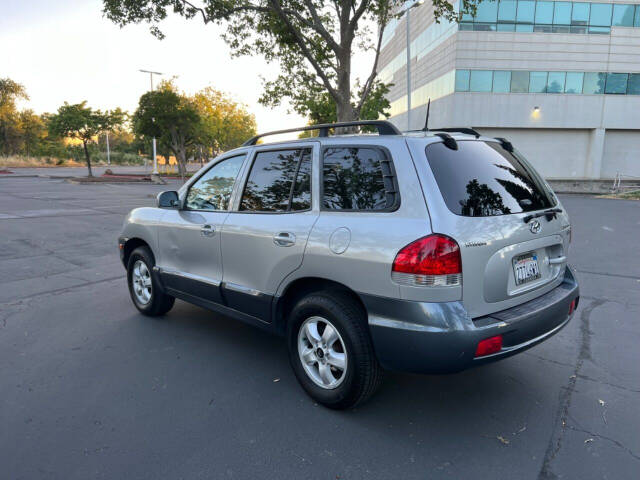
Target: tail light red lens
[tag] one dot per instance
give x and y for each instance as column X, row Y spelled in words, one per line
column 572, row 307
column 432, row 255
column 489, row 345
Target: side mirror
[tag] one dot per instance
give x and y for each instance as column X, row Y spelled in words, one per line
column 168, row 199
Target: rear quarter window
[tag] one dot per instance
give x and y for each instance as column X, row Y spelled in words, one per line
column 482, row 179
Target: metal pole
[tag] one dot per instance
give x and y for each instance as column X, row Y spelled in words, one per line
column 408, row 15
column 108, row 151
column 155, row 160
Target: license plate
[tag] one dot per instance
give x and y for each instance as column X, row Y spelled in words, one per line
column 525, row 269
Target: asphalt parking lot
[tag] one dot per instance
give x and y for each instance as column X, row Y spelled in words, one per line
column 89, row 388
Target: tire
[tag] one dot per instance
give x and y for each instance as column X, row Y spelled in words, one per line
column 143, row 287
column 362, row 374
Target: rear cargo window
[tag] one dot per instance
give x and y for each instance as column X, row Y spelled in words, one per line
column 482, row 179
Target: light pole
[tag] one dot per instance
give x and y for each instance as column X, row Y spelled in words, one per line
column 407, row 12
column 155, row 160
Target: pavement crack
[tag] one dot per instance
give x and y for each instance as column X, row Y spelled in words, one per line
column 65, row 289
column 617, row 443
column 557, row 434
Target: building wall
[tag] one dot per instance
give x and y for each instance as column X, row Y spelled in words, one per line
column 573, row 136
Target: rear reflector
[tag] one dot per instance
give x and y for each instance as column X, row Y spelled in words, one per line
column 572, row 306
column 489, row 345
column 433, row 260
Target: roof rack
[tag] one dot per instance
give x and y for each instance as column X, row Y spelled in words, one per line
column 384, row 128
column 465, row 130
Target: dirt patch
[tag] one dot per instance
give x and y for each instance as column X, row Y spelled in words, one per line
column 633, row 195
column 111, row 179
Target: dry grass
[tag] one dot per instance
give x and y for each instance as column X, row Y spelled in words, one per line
column 17, row 161
column 632, row 195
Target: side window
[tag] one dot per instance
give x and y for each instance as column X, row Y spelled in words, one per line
column 212, row 191
column 357, row 179
column 279, row 181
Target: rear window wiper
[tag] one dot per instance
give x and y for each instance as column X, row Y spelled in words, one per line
column 551, row 213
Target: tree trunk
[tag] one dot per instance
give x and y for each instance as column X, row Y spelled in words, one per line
column 87, row 158
column 182, row 161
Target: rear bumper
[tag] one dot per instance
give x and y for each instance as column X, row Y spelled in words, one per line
column 441, row 337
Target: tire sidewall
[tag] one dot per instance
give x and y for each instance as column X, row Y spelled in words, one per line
column 319, row 305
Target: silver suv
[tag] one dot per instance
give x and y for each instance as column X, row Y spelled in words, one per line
column 422, row 252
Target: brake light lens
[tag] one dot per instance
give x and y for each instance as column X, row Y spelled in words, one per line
column 433, row 260
column 489, row 345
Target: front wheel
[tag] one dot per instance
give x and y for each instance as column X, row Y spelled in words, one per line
column 330, row 350
column 144, row 290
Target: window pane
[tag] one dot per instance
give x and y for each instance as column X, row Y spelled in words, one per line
column 542, row 28
column 519, row 81
column 623, row 15
column 467, row 17
column 580, row 14
column 301, row 198
column 481, row 179
column 633, row 87
column 466, row 26
column 353, row 180
column 544, row 13
column 268, row 187
column 520, row 27
column 506, row 27
column 526, row 11
column 538, row 82
column 616, row 83
column 562, row 13
column 555, row 82
column 579, row 29
column 594, row 82
column 507, row 11
column 212, row 191
column 484, row 27
column 480, row 81
column 560, row 29
column 599, row 30
column 600, row 14
column 501, row 81
column 487, row 11
column 573, row 83
column 462, row 80
column 636, row 21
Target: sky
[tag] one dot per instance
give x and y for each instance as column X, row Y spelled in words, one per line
column 64, row 50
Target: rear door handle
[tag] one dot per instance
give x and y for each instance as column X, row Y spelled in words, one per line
column 284, row 239
column 207, row 231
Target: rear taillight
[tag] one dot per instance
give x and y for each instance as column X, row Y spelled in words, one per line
column 429, row 261
column 489, row 346
column 572, row 307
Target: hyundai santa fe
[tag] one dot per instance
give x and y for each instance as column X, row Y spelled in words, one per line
column 425, row 252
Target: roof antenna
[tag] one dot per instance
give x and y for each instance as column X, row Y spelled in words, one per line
column 426, row 120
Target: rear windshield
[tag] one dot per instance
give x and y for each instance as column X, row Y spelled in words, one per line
column 482, row 179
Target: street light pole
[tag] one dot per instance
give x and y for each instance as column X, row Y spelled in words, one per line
column 407, row 15
column 155, row 159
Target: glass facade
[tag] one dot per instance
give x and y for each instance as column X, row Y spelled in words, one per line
column 521, row 81
column 551, row 17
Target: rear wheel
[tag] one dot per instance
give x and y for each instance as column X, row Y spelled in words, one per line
column 145, row 293
column 330, row 350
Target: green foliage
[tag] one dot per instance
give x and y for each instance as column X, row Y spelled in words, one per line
column 171, row 117
column 224, row 124
column 313, row 41
column 78, row 121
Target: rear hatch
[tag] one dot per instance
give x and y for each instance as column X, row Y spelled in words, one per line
column 492, row 202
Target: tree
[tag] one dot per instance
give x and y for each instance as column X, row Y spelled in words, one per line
column 224, row 124
column 10, row 135
column 171, row 117
column 33, row 131
column 78, row 121
column 314, row 41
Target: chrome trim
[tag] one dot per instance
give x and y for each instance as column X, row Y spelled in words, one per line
column 242, row 289
column 414, row 280
column 188, row 276
column 557, row 261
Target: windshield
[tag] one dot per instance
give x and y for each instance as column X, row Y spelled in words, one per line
column 482, row 179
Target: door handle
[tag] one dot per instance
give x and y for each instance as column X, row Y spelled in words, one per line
column 284, row 239
column 207, row 231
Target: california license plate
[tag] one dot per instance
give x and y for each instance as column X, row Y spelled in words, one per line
column 525, row 268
